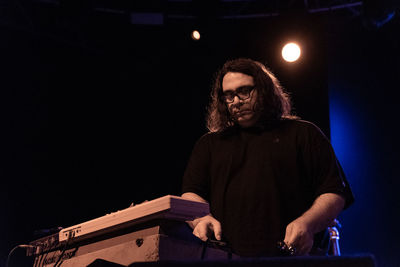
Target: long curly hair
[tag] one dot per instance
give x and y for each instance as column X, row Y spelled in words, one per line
column 273, row 102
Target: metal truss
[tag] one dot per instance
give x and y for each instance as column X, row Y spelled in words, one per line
column 65, row 12
column 244, row 9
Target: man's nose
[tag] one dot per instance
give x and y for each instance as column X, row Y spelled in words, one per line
column 236, row 100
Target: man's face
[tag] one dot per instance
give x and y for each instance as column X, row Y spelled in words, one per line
column 242, row 110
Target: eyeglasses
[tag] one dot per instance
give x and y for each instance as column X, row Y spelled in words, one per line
column 242, row 93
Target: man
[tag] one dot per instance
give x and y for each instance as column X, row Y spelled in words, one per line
column 267, row 175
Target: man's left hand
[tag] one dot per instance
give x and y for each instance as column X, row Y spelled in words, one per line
column 299, row 236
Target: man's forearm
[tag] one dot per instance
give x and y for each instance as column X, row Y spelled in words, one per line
column 193, row 196
column 323, row 212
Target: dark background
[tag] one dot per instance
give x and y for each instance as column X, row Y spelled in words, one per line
column 99, row 109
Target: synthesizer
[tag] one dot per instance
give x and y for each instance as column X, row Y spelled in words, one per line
column 166, row 207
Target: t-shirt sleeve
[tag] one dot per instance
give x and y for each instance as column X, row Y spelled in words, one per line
column 196, row 176
column 323, row 168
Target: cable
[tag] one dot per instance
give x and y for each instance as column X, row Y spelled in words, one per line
column 48, row 245
column 12, row 251
column 43, row 257
column 64, row 249
column 37, row 261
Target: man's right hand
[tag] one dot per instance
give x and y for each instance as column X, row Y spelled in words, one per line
column 207, row 227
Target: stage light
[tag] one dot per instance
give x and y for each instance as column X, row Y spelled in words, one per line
column 195, row 35
column 291, row 52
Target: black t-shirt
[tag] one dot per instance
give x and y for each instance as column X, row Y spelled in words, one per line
column 258, row 180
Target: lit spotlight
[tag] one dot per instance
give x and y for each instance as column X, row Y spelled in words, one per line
column 195, row 35
column 291, row 52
